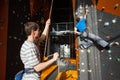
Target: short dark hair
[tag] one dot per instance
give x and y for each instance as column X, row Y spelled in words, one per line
column 29, row 26
column 77, row 19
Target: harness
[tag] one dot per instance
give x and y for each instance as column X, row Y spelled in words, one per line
column 20, row 74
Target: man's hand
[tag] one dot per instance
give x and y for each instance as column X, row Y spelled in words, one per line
column 55, row 56
column 48, row 22
column 76, row 32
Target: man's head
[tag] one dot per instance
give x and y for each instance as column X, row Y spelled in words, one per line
column 32, row 28
column 79, row 18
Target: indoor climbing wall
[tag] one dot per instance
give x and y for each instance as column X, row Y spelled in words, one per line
column 89, row 68
column 103, row 21
column 109, row 6
column 108, row 25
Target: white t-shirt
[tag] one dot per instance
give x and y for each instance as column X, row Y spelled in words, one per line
column 30, row 57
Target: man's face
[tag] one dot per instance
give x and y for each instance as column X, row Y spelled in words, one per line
column 37, row 33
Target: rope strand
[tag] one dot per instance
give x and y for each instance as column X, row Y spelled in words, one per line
column 47, row 35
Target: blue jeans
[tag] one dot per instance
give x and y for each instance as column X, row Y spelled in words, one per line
column 90, row 39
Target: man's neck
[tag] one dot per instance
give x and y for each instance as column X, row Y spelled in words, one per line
column 30, row 38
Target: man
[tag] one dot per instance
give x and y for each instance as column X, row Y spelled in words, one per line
column 89, row 38
column 29, row 52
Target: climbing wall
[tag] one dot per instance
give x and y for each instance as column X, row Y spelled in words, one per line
column 90, row 67
column 103, row 20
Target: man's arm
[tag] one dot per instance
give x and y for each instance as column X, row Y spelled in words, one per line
column 44, row 33
column 44, row 65
column 85, row 15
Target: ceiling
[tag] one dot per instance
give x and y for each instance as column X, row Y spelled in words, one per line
column 62, row 11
